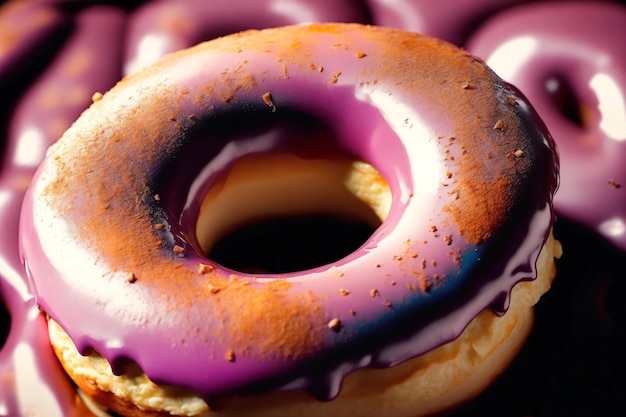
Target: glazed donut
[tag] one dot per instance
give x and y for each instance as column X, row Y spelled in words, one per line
column 163, row 26
column 126, row 208
column 568, row 59
column 450, row 20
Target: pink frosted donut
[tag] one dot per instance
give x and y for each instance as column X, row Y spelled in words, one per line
column 450, row 20
column 164, row 26
column 568, row 59
column 32, row 382
column 123, row 213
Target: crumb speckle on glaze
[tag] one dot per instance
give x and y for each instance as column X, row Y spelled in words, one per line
column 613, row 183
column 334, row 325
column 335, row 77
column 267, row 99
column 230, row 356
column 204, row 268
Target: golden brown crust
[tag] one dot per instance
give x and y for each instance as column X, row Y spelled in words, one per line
column 111, row 401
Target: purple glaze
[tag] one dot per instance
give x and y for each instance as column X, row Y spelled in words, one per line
column 401, row 137
column 548, row 49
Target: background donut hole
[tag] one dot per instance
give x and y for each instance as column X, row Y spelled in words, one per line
column 566, row 100
column 290, row 244
column 5, row 324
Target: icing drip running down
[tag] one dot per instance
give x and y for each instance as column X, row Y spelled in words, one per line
column 450, row 246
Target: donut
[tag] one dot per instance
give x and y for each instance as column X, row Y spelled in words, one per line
column 449, row 164
column 450, row 20
column 159, row 27
column 568, row 60
column 32, row 382
column 54, row 55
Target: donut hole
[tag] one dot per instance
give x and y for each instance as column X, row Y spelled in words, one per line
column 279, row 212
column 301, row 205
column 567, row 101
column 290, row 244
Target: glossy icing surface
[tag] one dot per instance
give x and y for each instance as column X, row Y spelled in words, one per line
column 436, row 256
column 568, row 60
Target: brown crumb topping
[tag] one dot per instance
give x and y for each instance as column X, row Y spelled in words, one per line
column 230, row 356
column 204, row 268
column 267, row 99
column 335, row 77
column 334, row 325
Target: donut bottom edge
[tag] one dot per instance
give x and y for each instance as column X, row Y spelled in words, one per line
column 433, row 383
